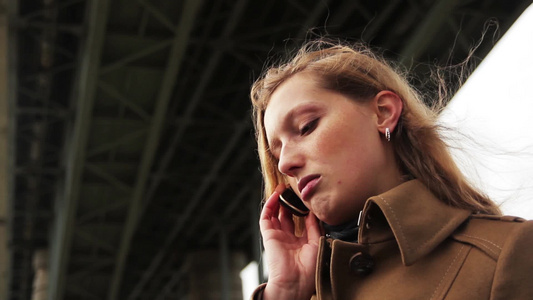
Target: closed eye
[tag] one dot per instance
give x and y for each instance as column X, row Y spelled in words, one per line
column 308, row 127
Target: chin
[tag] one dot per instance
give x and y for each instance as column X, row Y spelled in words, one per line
column 328, row 219
column 334, row 220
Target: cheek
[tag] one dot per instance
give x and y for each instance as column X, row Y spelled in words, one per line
column 293, row 184
column 329, row 141
column 349, row 149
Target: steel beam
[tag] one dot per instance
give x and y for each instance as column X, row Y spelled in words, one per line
column 134, row 56
column 57, row 6
column 191, row 205
column 40, row 111
column 176, row 57
column 116, row 94
column 209, row 236
column 75, row 143
column 193, row 103
column 114, row 181
column 174, row 280
column 255, row 212
column 68, row 28
column 213, row 230
column 431, row 24
column 158, row 15
column 6, row 158
column 38, row 97
column 195, row 99
column 90, row 268
column 50, row 72
column 85, row 294
column 89, row 215
column 320, row 8
column 377, row 23
column 93, row 240
column 221, row 186
column 120, row 141
column 225, row 273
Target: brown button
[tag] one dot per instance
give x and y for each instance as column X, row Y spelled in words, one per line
column 361, row 264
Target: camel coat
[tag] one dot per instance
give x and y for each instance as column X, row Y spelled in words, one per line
column 413, row 246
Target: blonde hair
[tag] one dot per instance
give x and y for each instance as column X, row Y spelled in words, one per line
column 356, row 71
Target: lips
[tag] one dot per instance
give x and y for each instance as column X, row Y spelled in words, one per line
column 306, row 185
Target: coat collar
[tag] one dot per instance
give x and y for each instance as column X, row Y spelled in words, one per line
column 411, row 214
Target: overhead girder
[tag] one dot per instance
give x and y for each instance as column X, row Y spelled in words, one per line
column 76, row 141
column 5, row 166
column 318, row 9
column 130, row 171
column 175, row 59
column 192, row 104
column 437, row 16
column 33, row 166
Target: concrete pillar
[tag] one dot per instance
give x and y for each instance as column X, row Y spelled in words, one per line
column 40, row 280
column 205, row 276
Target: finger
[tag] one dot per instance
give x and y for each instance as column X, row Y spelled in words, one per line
column 313, row 229
column 270, row 213
column 280, row 188
column 286, row 220
column 271, row 206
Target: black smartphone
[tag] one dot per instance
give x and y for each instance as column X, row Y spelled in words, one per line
column 290, row 200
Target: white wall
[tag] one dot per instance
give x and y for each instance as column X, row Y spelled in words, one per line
column 495, row 108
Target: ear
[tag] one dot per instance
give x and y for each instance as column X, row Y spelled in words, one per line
column 388, row 107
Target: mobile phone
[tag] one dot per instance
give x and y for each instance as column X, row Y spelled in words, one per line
column 290, row 200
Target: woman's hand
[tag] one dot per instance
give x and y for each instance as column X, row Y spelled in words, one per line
column 291, row 259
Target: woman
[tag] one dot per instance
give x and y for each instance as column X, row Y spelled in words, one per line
column 391, row 216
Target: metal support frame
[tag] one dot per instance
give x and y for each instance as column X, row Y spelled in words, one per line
column 196, row 97
column 6, row 165
column 135, row 56
column 433, row 21
column 76, row 141
column 227, row 213
column 158, row 15
column 120, row 141
column 53, row 70
column 76, row 289
column 55, row 7
column 116, row 94
column 179, row 44
column 94, row 240
column 193, row 103
column 117, row 171
column 377, row 23
column 68, row 28
column 108, row 177
column 189, row 110
column 174, row 280
column 116, row 205
column 225, row 272
column 312, row 19
column 208, row 203
column 255, row 212
column 191, row 205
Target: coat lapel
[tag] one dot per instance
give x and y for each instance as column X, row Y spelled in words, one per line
column 400, row 212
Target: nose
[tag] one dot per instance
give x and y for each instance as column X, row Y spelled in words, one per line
column 290, row 160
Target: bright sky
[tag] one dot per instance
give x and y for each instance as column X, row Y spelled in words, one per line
column 492, row 113
column 494, row 108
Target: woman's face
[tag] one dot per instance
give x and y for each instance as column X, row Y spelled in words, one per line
column 329, row 147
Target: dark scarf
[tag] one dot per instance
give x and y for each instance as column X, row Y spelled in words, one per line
column 347, row 232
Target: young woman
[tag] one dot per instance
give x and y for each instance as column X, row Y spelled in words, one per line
column 391, row 216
